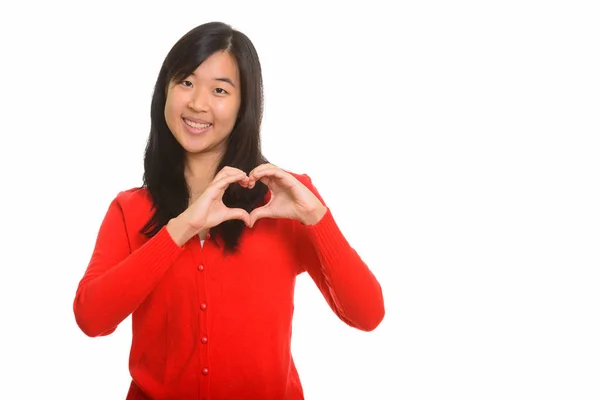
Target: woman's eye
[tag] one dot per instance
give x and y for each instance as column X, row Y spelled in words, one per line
column 186, row 83
column 220, row 91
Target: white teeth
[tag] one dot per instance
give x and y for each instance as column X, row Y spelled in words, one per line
column 196, row 125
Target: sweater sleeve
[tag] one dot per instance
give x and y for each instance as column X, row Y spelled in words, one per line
column 118, row 280
column 346, row 282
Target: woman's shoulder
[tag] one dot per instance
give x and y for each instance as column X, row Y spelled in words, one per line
column 134, row 202
column 135, row 195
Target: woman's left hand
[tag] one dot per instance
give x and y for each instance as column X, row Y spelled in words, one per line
column 289, row 197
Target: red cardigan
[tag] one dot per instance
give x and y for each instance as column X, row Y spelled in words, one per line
column 212, row 326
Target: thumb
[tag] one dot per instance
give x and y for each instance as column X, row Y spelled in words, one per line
column 258, row 213
column 239, row 213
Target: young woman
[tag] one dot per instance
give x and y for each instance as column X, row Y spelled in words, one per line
column 205, row 255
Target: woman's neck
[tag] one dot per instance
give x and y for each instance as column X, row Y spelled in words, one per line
column 200, row 170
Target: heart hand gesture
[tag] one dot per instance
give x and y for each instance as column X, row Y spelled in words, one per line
column 289, row 197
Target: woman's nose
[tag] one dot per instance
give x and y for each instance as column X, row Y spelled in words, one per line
column 199, row 101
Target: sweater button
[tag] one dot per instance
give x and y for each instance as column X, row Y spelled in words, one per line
column 203, row 306
column 205, row 371
column 200, row 268
column 204, row 339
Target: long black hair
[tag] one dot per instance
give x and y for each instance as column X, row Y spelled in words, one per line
column 164, row 157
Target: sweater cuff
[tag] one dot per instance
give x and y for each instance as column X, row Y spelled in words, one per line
column 159, row 252
column 328, row 239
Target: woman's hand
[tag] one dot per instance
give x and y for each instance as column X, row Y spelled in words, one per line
column 209, row 210
column 289, row 197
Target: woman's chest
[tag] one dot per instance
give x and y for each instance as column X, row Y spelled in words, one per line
column 260, row 276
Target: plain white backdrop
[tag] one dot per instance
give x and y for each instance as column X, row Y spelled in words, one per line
column 455, row 142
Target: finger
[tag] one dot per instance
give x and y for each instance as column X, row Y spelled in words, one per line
column 261, row 167
column 266, row 180
column 239, row 213
column 227, row 171
column 273, row 173
column 227, row 180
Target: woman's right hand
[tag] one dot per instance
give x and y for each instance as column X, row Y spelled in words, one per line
column 209, row 210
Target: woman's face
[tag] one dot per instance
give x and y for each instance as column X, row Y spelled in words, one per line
column 201, row 111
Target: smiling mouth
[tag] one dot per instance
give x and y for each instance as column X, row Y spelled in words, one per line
column 196, row 125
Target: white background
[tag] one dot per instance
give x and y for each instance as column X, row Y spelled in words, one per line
column 455, row 142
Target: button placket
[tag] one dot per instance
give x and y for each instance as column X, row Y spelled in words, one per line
column 202, row 278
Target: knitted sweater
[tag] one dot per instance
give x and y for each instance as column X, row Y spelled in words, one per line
column 212, row 325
